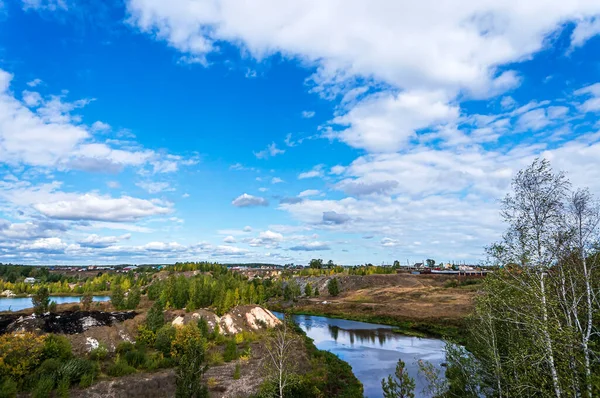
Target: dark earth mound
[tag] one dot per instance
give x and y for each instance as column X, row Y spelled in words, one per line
column 68, row 322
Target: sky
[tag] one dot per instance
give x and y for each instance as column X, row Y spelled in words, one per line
column 149, row 131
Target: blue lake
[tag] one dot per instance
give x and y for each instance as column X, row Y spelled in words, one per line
column 21, row 303
column 373, row 350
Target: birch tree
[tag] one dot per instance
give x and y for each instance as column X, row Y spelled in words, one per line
column 279, row 347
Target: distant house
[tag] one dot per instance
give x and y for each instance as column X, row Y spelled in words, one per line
column 418, row 265
column 29, row 280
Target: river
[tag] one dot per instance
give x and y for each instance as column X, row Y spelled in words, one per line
column 21, row 303
column 373, row 350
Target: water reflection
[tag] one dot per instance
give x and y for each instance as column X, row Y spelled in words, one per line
column 372, row 350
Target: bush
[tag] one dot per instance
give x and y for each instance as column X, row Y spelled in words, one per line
column 44, row 387
column 41, row 301
column 52, row 306
column 58, row 347
column 120, row 368
column 87, row 380
column 19, row 354
column 135, row 358
column 86, row 301
column 237, row 372
column 75, row 369
column 8, row 388
column 230, row 353
column 62, row 389
column 333, row 287
column 99, row 353
column 145, row 337
column 215, row 359
column 124, row 347
column 164, row 338
column 50, row 367
column 133, row 299
column 156, row 317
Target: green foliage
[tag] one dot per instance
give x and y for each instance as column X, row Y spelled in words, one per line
column 57, row 346
column 237, row 373
column 117, row 297
column 155, row 317
column 308, row 290
column 87, row 380
column 41, row 301
column 164, row 338
column 62, row 388
column 8, row 388
column 316, row 294
column 99, row 353
column 430, row 262
column 52, row 306
column 203, row 326
column 86, row 301
column 124, row 347
column 133, row 298
column 316, row 263
column 333, row 287
column 120, row 368
column 135, row 358
column 20, row 354
column 230, row 353
column 400, row 385
column 76, row 368
column 145, row 337
column 43, row 387
column 215, row 358
column 291, row 290
column 189, row 348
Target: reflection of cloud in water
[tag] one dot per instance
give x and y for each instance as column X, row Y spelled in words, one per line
column 372, row 350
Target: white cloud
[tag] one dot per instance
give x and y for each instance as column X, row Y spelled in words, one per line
column 246, row 200
column 154, row 187
column 316, row 171
column 308, row 114
column 311, row 247
column 276, row 180
column 34, row 82
column 309, row 192
column 270, row 151
column 388, row 242
column 263, row 189
column 268, row 239
column 51, row 5
column 229, row 239
column 100, row 126
column 113, row 184
column 585, row 29
column 92, row 206
column 387, row 122
column 97, row 241
column 593, row 103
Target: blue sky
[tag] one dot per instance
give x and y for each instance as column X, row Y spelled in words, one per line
column 149, row 131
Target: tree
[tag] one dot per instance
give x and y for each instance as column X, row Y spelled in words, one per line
column 308, row 290
column 396, row 264
column 333, row 287
column 316, row 293
column 189, row 349
column 400, row 386
column 155, row 317
column 133, row 298
column 430, row 262
column 316, row 263
column 330, row 264
column 41, row 301
column 86, row 301
column 282, row 363
column 291, row 290
column 117, row 297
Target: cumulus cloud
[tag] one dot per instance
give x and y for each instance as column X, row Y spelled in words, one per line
column 97, row 241
column 155, row 186
column 311, row 247
column 290, row 200
column 101, row 208
column 331, row 217
column 358, row 188
column 316, row 171
column 268, row 239
column 246, row 200
column 309, row 192
column 229, row 239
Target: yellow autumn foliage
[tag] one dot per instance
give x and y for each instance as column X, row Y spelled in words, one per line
column 20, row 354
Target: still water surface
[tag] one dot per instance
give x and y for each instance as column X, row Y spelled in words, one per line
column 372, row 350
column 21, row 303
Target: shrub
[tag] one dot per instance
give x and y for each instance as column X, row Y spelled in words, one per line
column 203, row 326
column 230, row 353
column 120, row 368
column 145, row 337
column 133, row 299
column 99, row 353
column 156, row 317
column 41, row 301
column 215, row 359
column 44, row 387
column 125, row 346
column 50, row 367
column 75, row 369
column 117, row 298
column 164, row 337
column 19, row 354
column 189, row 347
column 86, row 301
column 8, row 388
column 56, row 346
column 52, row 306
column 135, row 358
column 87, row 380
column 333, row 287
column 62, row 388
column 237, row 372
